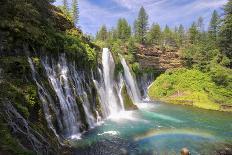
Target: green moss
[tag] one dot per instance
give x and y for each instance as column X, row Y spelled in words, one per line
column 128, row 103
column 74, row 45
column 192, row 87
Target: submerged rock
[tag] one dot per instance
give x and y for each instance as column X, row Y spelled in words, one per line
column 185, row 151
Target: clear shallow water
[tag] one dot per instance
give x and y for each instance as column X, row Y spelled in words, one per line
column 159, row 129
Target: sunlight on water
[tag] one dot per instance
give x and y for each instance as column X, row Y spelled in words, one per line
column 109, row 132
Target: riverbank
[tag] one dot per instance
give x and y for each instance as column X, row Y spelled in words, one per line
column 191, row 87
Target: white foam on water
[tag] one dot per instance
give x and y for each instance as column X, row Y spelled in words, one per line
column 109, row 132
column 75, row 137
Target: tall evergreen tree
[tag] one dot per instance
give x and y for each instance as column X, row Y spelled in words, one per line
column 226, row 32
column 154, row 35
column 75, row 11
column 102, row 34
column 168, row 36
column 214, row 25
column 141, row 26
column 193, row 33
column 123, row 29
column 181, row 35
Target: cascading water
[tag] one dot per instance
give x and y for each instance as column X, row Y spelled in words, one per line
column 67, row 104
column 108, row 89
column 46, row 101
column 79, row 82
column 60, row 82
column 131, row 84
column 68, row 84
column 144, row 82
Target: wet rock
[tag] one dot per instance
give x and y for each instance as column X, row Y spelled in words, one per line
column 185, row 151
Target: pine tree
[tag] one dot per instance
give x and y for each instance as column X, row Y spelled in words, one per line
column 226, row 32
column 181, row 35
column 168, row 36
column 123, row 29
column 102, row 34
column 214, row 25
column 131, row 47
column 141, row 26
column 154, row 35
column 75, row 11
column 193, row 33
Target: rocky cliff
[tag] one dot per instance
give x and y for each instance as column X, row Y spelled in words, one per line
column 159, row 58
column 32, row 31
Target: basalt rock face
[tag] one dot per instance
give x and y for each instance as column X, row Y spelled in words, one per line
column 159, row 58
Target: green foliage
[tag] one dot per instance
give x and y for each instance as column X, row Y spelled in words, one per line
column 214, row 26
column 185, row 86
column 200, row 54
column 117, row 47
column 132, row 47
column 128, row 103
column 154, row 35
column 74, row 45
column 169, row 38
column 14, row 88
column 102, row 34
column 141, row 26
column 193, row 33
column 181, row 35
column 136, row 68
column 225, row 34
column 123, row 29
column 222, row 76
column 66, row 13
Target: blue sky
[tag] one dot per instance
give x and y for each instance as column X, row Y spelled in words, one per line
column 94, row 13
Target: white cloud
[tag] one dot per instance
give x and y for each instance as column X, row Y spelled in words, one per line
column 172, row 12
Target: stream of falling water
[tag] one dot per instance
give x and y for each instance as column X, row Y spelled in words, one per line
column 131, row 84
column 69, row 105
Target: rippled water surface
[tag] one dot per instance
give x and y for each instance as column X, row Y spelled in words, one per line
column 159, row 129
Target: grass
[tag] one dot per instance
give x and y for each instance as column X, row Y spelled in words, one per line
column 191, row 87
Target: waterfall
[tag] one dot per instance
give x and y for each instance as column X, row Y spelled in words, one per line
column 108, row 88
column 66, row 93
column 144, row 82
column 46, row 100
column 79, row 82
column 58, row 75
column 131, row 84
column 71, row 95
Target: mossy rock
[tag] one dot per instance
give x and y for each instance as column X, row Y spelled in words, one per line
column 128, row 103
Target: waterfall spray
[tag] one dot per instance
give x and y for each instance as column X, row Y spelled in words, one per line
column 131, row 84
